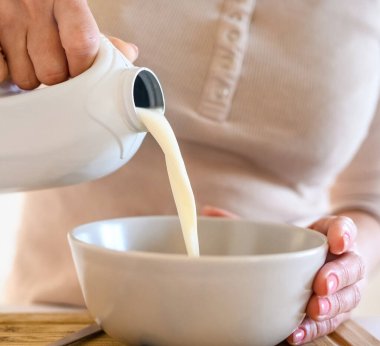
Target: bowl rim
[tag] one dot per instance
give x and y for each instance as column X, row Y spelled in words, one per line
column 159, row 256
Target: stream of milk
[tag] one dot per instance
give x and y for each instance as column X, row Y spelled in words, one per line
column 160, row 129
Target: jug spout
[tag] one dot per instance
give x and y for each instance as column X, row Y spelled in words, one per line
column 142, row 90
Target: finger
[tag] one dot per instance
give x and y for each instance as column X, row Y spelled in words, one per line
column 130, row 50
column 344, row 271
column 3, row 67
column 46, row 52
column 310, row 330
column 217, row 212
column 340, row 231
column 79, row 34
column 324, row 308
column 20, row 66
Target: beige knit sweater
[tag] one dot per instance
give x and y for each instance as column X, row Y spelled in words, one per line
column 274, row 103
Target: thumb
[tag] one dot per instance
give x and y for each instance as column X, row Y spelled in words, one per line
column 130, row 50
column 341, row 232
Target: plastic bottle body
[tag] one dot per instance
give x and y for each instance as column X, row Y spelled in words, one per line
column 76, row 131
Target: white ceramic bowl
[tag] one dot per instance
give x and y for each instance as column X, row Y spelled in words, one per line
column 249, row 287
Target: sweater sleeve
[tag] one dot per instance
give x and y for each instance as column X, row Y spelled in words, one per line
column 358, row 186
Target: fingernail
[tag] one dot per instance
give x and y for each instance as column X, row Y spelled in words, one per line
column 346, row 240
column 324, row 306
column 298, row 335
column 135, row 48
column 332, row 283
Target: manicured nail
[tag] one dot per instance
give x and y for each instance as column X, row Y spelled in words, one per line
column 332, row 283
column 135, row 48
column 346, row 240
column 324, row 306
column 298, row 335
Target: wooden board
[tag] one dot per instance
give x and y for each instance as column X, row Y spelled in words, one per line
column 347, row 334
column 44, row 328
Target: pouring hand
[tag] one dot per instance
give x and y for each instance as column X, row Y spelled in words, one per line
column 48, row 41
column 336, row 286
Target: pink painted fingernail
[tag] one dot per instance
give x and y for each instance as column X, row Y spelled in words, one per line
column 136, row 49
column 324, row 306
column 332, row 283
column 298, row 335
column 346, row 240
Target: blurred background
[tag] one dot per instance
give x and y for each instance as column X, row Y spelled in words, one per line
column 10, row 214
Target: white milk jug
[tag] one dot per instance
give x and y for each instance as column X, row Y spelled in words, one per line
column 79, row 130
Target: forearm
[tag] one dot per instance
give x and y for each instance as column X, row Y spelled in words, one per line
column 368, row 237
